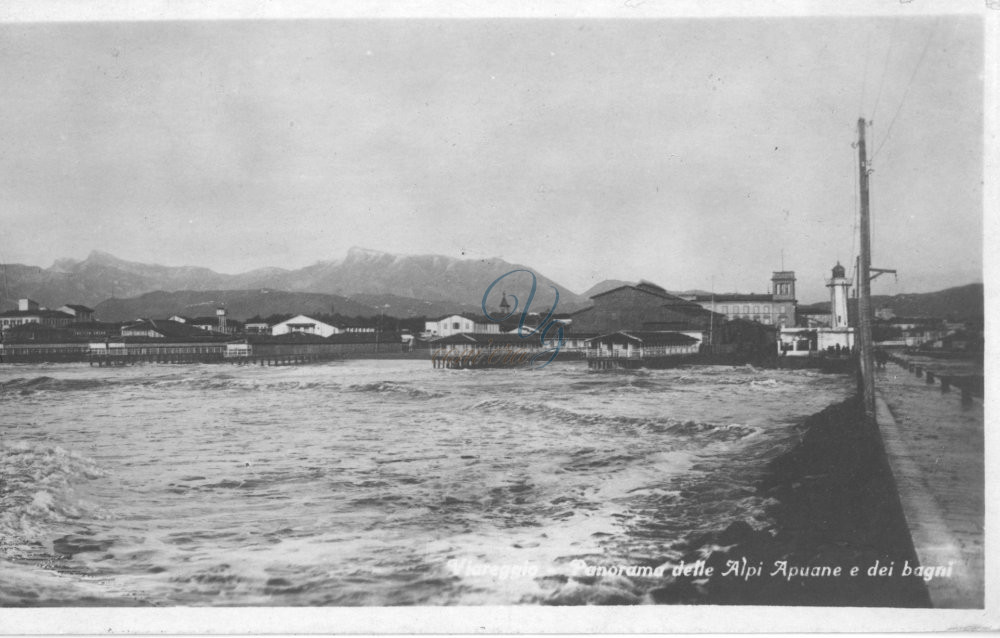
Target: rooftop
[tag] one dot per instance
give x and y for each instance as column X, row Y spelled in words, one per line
column 78, row 307
column 648, row 338
column 52, row 314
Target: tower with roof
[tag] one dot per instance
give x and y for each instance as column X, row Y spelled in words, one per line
column 838, row 286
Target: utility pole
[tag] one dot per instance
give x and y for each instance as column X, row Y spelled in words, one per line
column 866, row 359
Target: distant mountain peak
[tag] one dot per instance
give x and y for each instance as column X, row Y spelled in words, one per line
column 100, row 255
column 65, row 265
column 358, row 253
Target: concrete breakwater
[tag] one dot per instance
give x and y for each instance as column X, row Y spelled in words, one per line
column 839, row 537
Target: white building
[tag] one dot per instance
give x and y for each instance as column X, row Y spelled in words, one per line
column 460, row 324
column 304, row 325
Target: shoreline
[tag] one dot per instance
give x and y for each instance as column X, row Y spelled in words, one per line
column 835, row 505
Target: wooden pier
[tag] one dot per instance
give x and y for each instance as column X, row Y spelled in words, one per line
column 628, row 350
column 969, row 386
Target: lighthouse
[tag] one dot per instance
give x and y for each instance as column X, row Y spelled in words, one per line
column 838, row 286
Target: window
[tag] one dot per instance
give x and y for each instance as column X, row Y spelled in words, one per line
column 746, row 309
column 756, row 309
column 454, row 326
column 722, row 309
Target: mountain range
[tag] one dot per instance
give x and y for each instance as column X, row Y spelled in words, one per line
column 365, row 282
column 960, row 302
column 410, row 285
column 957, row 303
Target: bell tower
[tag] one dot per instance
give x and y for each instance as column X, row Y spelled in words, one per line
column 783, row 285
column 504, row 305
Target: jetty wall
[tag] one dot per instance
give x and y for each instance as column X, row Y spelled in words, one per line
column 834, row 503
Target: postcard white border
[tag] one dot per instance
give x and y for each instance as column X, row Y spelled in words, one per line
column 605, row 620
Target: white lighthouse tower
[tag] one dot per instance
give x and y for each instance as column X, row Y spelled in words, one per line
column 838, row 286
column 839, row 337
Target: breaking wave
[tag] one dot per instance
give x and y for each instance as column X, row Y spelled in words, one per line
column 39, row 488
column 654, row 425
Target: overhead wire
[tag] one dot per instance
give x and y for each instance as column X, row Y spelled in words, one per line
column 885, row 68
column 909, row 85
column 857, row 215
column 864, row 80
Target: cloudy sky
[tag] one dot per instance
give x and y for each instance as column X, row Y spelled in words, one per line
column 696, row 153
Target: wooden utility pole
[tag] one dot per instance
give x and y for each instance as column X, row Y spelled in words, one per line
column 864, row 285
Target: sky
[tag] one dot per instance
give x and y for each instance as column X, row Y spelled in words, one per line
column 694, row 153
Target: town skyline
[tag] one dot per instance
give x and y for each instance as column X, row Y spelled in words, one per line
column 809, row 293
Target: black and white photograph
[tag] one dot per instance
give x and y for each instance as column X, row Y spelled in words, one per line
column 414, row 316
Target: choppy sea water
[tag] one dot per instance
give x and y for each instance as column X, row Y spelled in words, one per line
column 375, row 482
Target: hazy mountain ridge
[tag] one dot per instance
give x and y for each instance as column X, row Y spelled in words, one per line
column 239, row 304
column 951, row 303
column 448, row 284
column 960, row 302
column 360, row 283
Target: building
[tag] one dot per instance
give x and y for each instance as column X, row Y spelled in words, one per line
column 629, row 348
column 81, row 314
column 774, row 308
column 257, row 326
column 94, row 329
column 832, row 334
column 28, row 311
column 352, row 325
column 813, row 316
column 644, row 307
column 162, row 329
column 220, row 323
column 472, row 350
column 465, row 323
column 304, row 325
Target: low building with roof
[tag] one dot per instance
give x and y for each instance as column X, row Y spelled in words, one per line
column 28, row 311
column 494, row 350
column 635, row 348
column 645, row 307
column 80, row 313
column 165, row 329
column 94, row 329
column 305, row 325
column 461, row 323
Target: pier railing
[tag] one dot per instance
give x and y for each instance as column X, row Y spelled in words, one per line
column 969, row 385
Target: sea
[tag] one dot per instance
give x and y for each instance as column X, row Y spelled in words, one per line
column 377, row 482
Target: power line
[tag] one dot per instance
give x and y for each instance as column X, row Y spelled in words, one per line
column 857, row 212
column 885, row 68
column 864, row 81
column 909, row 84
